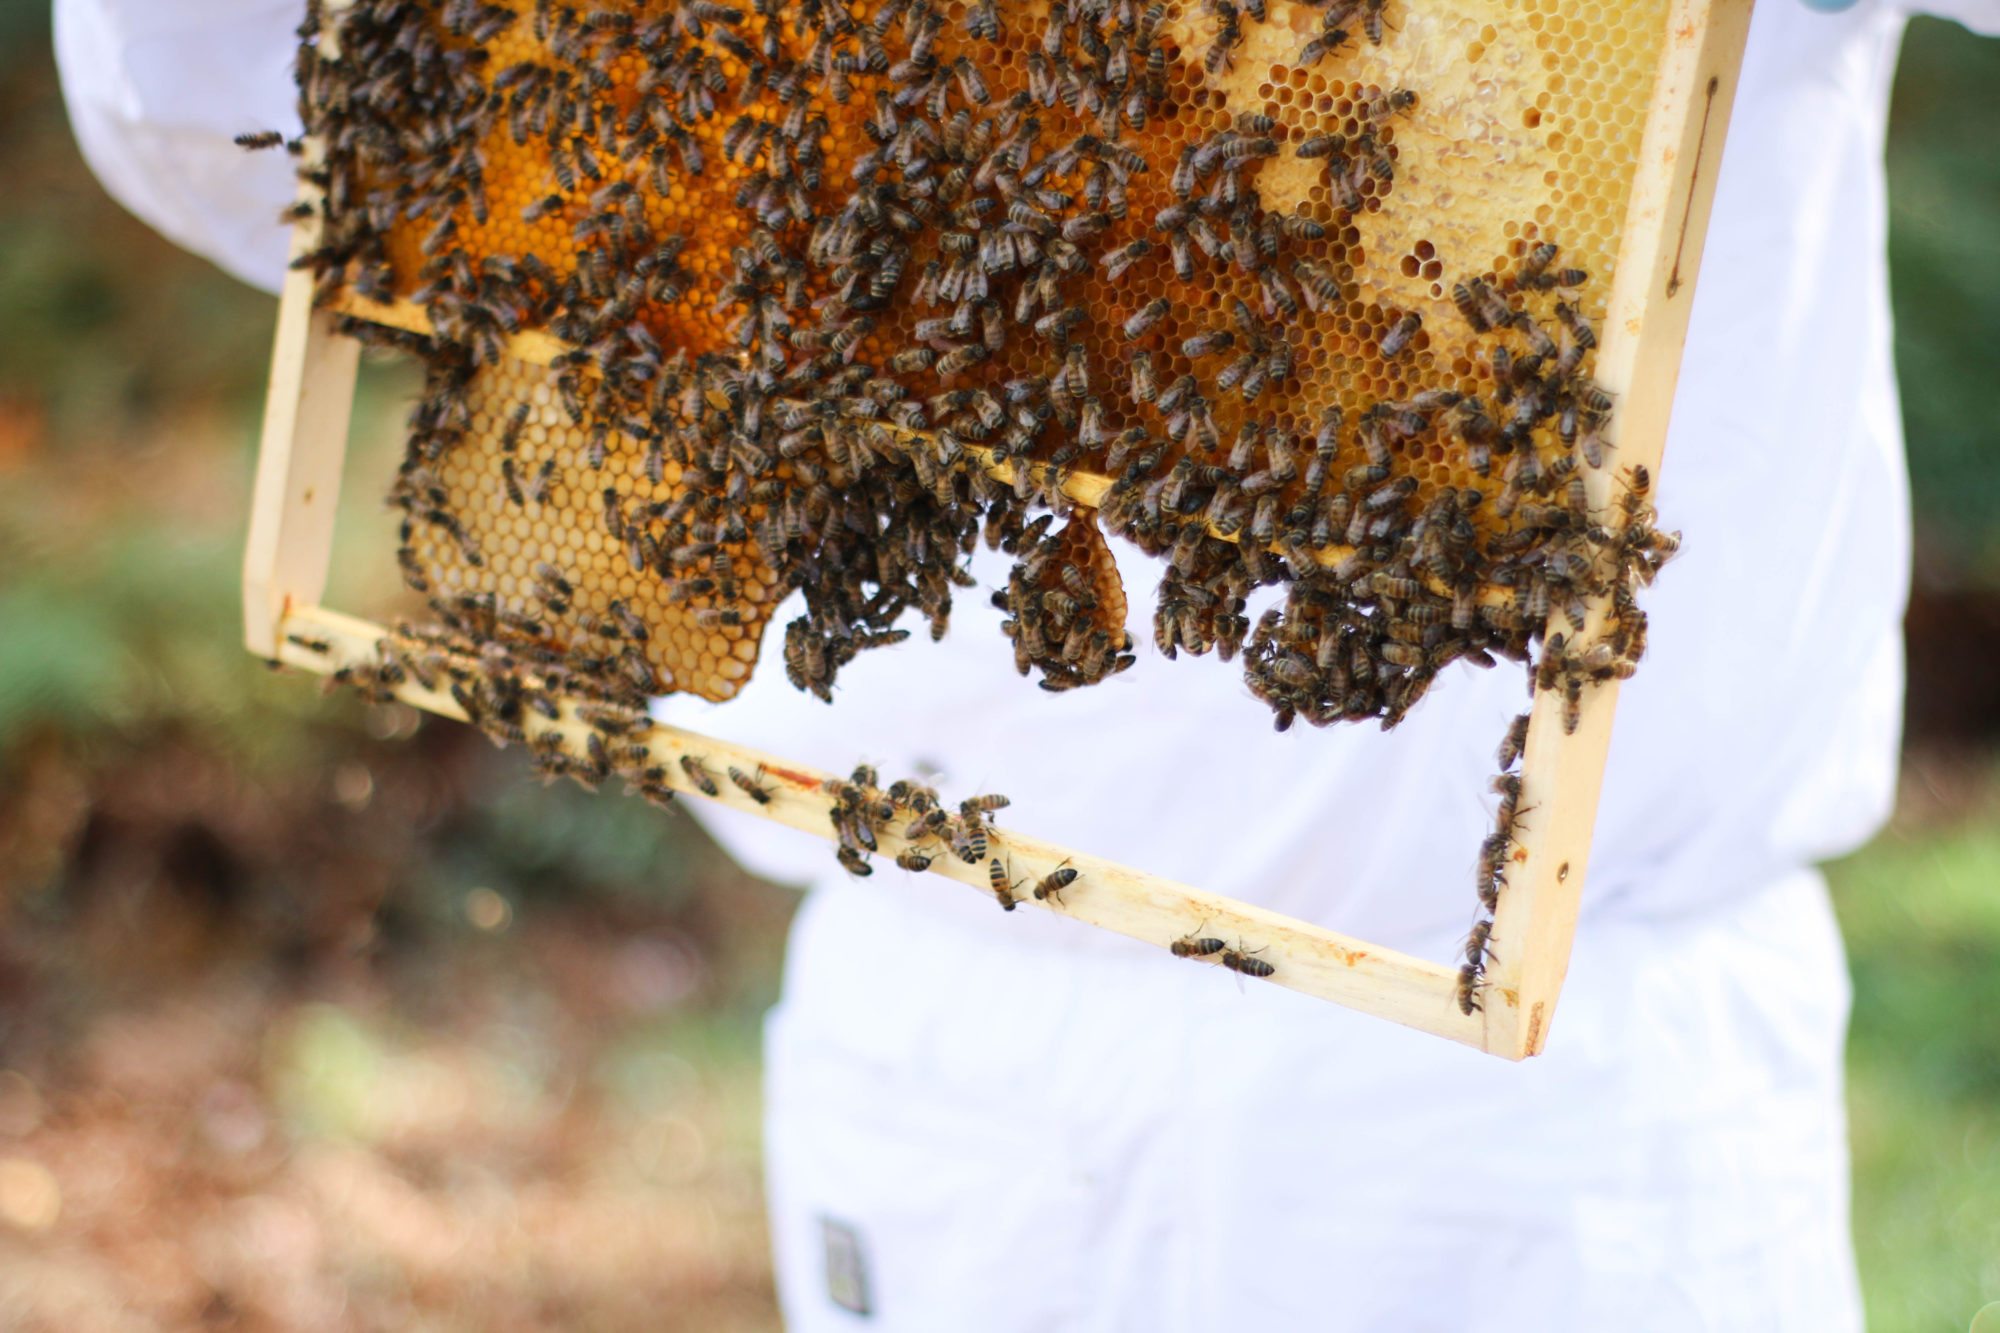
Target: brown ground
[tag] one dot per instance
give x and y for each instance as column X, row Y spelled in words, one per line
column 556, row 1145
column 274, row 1056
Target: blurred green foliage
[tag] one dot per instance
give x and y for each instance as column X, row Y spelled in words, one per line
column 1944, row 253
column 1921, row 912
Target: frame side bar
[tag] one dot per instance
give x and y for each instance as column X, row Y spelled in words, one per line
column 303, row 444
column 1638, row 363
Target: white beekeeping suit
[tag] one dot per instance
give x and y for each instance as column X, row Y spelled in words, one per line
column 980, row 1121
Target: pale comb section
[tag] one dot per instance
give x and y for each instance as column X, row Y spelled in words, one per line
column 1526, row 129
column 565, row 530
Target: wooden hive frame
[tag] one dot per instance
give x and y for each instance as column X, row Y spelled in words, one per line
column 297, row 487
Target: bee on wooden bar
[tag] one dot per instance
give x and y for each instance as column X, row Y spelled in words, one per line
column 1467, row 989
column 1238, row 960
column 698, row 774
column 1053, row 883
column 1003, row 886
column 1193, row 946
column 1514, row 743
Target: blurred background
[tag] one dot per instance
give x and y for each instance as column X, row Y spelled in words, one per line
column 315, row 1015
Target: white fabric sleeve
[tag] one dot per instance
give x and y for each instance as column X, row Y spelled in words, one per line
column 158, row 89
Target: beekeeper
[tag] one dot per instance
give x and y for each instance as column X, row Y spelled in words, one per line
column 979, row 1121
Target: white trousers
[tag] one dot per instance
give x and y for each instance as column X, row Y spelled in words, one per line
column 966, row 1135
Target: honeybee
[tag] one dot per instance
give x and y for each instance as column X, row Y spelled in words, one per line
column 1054, row 883
column 1371, row 19
column 1321, row 288
column 258, row 140
column 1476, row 943
column 1319, row 48
column 1003, row 887
column 1239, row 960
column 1579, row 327
column 538, row 488
column 1149, row 315
column 1491, row 873
column 698, row 774
column 1469, row 982
column 1208, row 343
column 1397, row 340
column 1192, row 946
column 1514, row 743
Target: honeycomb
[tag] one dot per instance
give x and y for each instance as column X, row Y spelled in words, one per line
column 1306, row 290
column 514, row 485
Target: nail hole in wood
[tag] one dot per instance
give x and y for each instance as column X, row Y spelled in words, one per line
column 1562, row 873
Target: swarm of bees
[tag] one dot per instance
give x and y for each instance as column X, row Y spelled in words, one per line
column 850, row 289
column 1238, row 959
column 862, row 809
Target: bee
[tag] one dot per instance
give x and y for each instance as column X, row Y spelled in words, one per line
column 1321, row 288
column 510, row 436
column 699, row 775
column 753, row 787
column 1208, row 343
column 1371, row 19
column 1054, row 883
column 970, row 841
column 1492, row 876
column 1329, row 40
column 1579, row 327
column 1144, row 388
column 1238, row 960
column 1151, row 314
column 962, row 358
column 1476, row 942
column 1468, row 989
column 1534, row 264
column 1003, row 887
column 1322, row 145
column 1191, row 946
column 1508, row 785
column 1514, row 743
column 930, row 824
column 1469, row 306
column 320, row 646
column 912, row 859
column 1116, row 261
column 1402, row 589
column 258, row 140
column 1397, row 340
